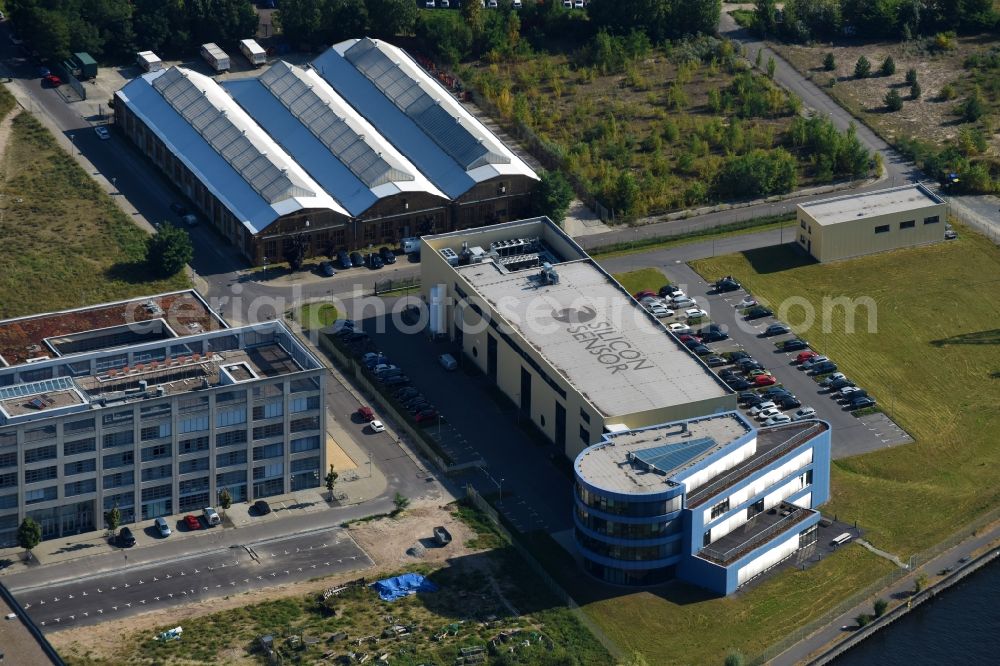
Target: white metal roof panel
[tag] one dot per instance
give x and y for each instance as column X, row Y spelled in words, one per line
column 870, row 204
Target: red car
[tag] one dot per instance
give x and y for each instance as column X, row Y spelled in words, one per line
column 644, row 293
column 366, row 414
column 688, row 336
column 426, row 415
column 52, row 80
column 805, row 356
column 764, row 380
column 192, row 522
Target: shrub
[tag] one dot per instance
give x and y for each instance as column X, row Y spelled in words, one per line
column 888, row 67
column 771, row 66
column 920, row 583
column 829, row 62
column 758, row 173
column 880, row 607
column 915, row 90
column 862, row 68
column 169, row 249
column 947, row 92
column 944, row 41
column 863, row 620
column 911, row 76
column 552, row 196
column 734, row 658
column 893, row 100
column 973, row 108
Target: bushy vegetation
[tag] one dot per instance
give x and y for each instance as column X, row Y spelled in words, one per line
column 660, row 19
column 805, row 20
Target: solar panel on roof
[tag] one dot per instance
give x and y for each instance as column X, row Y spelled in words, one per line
column 671, row 456
column 227, row 139
column 35, row 388
column 334, row 132
column 421, row 106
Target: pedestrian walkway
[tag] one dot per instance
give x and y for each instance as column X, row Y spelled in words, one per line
column 881, row 553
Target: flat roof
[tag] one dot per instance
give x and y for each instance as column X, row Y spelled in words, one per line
column 870, row 204
column 613, row 352
column 24, row 338
column 615, row 464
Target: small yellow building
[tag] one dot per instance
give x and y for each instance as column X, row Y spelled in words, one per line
column 860, row 224
column 559, row 336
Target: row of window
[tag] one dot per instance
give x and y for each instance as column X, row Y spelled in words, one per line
column 908, row 224
column 628, row 553
column 628, row 508
column 655, row 530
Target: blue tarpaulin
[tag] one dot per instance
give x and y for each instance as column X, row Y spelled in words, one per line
column 398, row 587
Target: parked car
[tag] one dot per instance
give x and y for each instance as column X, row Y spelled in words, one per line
column 374, row 261
column 815, row 360
column 765, row 414
column 714, row 336
column 377, row 426
column 406, row 393
column 102, row 132
column 849, row 393
column 678, row 328
column 823, row 368
column 788, row 402
column 262, row 508
column 695, row 313
column 760, row 407
column 357, row 260
column 774, row 393
column 667, row 290
column 162, row 528
column 660, row 312
column 211, row 516
column 366, row 414
column 794, row 344
column 683, row 302
column 701, row 350
column 737, row 355
column 448, row 362
column 326, row 268
column 727, row 283
column 643, row 294
column 749, row 365
column 758, row 312
column 125, row 538
column 831, row 378
column 753, row 400
column 861, row 403
column 344, row 259
column 715, row 361
column 805, row 356
column 778, row 420
column 764, row 380
column 192, row 522
column 838, row 384
column 52, row 80
column 803, row 414
column 739, row 384
column 746, row 396
column 427, row 415
column 776, row 329
column 388, row 256
column 753, row 374
column 397, row 380
column 747, row 302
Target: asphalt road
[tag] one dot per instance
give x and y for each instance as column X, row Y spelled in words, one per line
column 219, row 572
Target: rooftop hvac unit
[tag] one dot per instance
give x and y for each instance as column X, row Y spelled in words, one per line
column 450, row 256
column 143, row 385
column 548, row 274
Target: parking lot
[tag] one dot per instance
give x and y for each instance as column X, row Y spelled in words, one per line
column 851, row 435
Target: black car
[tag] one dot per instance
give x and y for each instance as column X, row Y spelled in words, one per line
column 262, row 508
column 757, row 312
column 748, row 364
column 861, row 403
column 854, row 395
column 397, row 380
column 666, row 290
column 388, row 256
column 125, row 538
column 713, row 336
column 773, row 392
column 737, row 355
column 747, row 396
column 373, row 261
column 344, row 259
column 406, row 393
column 776, row 329
column 739, row 384
column 701, row 350
column 326, row 268
column 788, row 402
column 797, row 344
column 357, row 260
column 356, row 336
column 179, row 208
column 823, row 368
column 691, row 343
column 838, row 384
column 715, row 361
column 419, row 407
column 727, row 284
column 417, row 399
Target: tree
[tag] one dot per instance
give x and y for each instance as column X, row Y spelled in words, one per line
column 765, row 17
column 829, row 62
column 734, row 658
column 221, row 21
column 659, row 19
column 812, row 19
column 225, row 500
column 331, row 478
column 915, row 90
column 973, row 108
column 472, row 14
column 113, row 518
column 343, row 19
column 771, row 66
column 880, row 607
column 169, row 249
column 911, row 76
column 757, row 173
column 862, row 68
column 391, row 17
column 920, row 583
column 863, row 620
column 401, row 502
column 300, row 21
column 893, row 100
column 888, row 67
column 758, row 61
column 29, row 535
column 552, row 196
column 444, row 35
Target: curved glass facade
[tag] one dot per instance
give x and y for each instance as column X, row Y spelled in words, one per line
column 628, row 553
column 645, row 530
column 621, row 507
column 636, row 577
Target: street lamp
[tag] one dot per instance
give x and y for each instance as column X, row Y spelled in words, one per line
column 72, row 143
column 114, row 184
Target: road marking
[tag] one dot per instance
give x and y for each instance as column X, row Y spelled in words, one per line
column 101, row 611
column 84, row 594
column 155, row 579
column 142, row 601
column 98, row 589
column 70, row 596
column 56, row 599
column 114, row 607
column 157, row 598
column 183, row 574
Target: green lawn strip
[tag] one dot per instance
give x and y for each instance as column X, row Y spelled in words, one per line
column 753, row 226
column 66, row 243
column 644, row 278
column 931, row 302
column 317, row 315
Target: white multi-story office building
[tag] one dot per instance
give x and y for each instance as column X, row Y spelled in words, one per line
column 154, row 405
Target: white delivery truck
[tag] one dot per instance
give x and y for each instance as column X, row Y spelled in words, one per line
column 253, row 52
column 410, row 245
column 149, row 61
column 215, row 57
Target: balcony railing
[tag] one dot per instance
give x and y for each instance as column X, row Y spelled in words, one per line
column 796, row 515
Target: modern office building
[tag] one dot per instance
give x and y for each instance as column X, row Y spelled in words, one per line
column 712, row 501
column 559, row 336
column 361, row 148
column 858, row 224
column 154, row 405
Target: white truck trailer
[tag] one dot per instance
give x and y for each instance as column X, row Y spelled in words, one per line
column 214, row 56
column 149, row 61
column 253, row 52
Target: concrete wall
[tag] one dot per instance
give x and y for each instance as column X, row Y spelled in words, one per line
column 857, row 237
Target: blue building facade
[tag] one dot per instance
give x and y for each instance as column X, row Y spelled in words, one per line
column 712, row 501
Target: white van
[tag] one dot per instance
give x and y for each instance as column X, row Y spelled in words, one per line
column 448, row 362
column 410, row 245
column 211, row 516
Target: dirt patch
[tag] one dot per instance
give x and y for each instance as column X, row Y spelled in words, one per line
column 385, row 540
column 928, row 118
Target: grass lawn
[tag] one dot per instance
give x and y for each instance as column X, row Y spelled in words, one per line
column 931, row 364
column 645, row 245
column 683, row 624
column 65, row 242
column 316, row 315
column 644, row 278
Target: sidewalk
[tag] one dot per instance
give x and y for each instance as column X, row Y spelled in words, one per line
column 839, row 629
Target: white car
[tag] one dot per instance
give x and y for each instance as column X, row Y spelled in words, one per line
column 102, row 132
column 757, row 409
column 685, row 302
column 568, row 4
column 768, row 413
column 747, row 302
column 815, row 360
column 832, row 378
column 429, row 4
column 445, row 4
column 492, row 4
column 692, row 313
column 847, row 391
column 377, row 426
column 803, row 414
column 778, row 420
column 578, row 4
column 651, row 300
column 660, row 312
column 516, row 4
column 679, row 328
